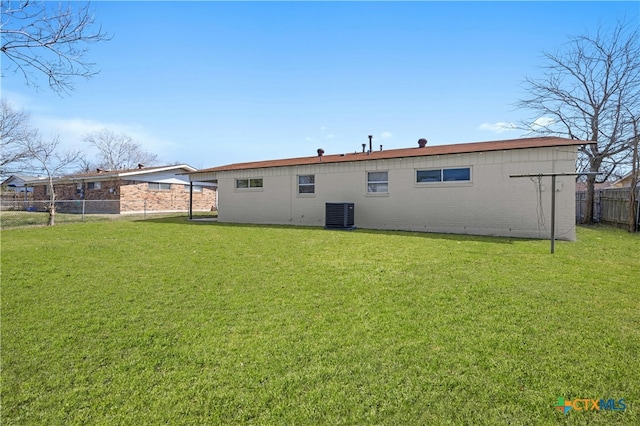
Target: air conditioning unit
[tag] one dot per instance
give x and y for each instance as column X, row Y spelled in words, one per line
column 339, row 216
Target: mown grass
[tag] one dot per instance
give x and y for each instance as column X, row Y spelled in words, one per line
column 164, row 321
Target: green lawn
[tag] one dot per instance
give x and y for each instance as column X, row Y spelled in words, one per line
column 164, row 321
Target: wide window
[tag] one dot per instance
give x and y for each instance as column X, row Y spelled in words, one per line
column 461, row 174
column 157, row 186
column 429, row 176
column 377, row 181
column 248, row 183
column 306, row 184
column 94, row 185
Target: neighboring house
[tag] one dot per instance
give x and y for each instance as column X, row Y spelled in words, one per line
column 625, row 181
column 144, row 189
column 15, row 183
column 582, row 186
column 463, row 188
column 15, row 195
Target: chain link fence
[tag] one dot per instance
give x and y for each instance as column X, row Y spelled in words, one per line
column 17, row 213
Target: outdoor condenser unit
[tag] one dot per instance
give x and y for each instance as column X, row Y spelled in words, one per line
column 339, row 216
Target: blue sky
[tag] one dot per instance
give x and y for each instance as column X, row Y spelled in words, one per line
column 212, row 83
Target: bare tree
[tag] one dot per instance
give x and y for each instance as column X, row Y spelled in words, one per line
column 583, row 95
column 15, row 129
column 40, row 38
column 635, row 144
column 118, row 151
column 48, row 160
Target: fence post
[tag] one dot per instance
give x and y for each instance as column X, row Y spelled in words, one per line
column 83, row 201
column 145, row 209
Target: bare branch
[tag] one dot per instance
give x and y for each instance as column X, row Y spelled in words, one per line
column 585, row 93
column 118, row 151
column 14, row 131
column 40, row 39
column 47, row 159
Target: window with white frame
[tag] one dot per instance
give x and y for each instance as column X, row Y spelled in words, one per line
column 378, row 182
column 253, row 183
column 94, row 185
column 158, row 186
column 458, row 174
column 306, row 184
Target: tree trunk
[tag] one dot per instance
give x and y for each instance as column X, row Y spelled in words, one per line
column 52, row 215
column 594, row 167
column 633, row 226
column 588, row 209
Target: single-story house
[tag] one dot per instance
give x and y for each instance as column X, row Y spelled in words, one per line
column 15, row 183
column 624, row 181
column 15, row 195
column 462, row 188
column 144, row 189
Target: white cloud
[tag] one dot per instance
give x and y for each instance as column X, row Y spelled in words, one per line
column 386, row 135
column 308, row 139
column 543, row 122
column 330, row 136
column 499, row 127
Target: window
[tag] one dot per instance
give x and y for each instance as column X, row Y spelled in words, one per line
column 429, row 176
column 196, row 188
column 157, row 186
column 456, row 174
column 94, row 185
column 248, row 183
column 306, row 184
column 444, row 175
column 377, row 181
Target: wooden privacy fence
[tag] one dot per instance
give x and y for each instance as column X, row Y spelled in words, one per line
column 611, row 206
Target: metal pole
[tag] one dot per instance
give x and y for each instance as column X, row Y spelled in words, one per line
column 637, row 213
column 190, row 200
column 553, row 213
column 83, row 202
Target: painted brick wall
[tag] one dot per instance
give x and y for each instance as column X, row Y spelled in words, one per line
column 491, row 204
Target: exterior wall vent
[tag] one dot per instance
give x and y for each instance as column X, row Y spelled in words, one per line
column 339, row 216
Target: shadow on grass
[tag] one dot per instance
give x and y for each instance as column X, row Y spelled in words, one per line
column 212, row 221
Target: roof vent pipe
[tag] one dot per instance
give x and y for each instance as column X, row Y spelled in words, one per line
column 370, row 145
column 422, row 143
column 364, row 146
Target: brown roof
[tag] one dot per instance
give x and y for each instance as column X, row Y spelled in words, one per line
column 462, row 148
